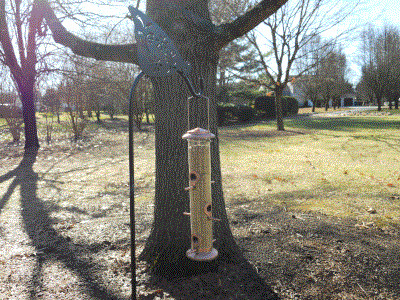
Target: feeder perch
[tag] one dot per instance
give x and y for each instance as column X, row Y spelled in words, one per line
column 200, row 195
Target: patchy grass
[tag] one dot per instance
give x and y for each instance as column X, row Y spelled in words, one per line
column 336, row 166
column 276, row 184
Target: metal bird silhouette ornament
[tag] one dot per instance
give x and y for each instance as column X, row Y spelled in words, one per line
column 157, row 54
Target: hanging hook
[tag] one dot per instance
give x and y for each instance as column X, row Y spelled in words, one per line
column 191, row 86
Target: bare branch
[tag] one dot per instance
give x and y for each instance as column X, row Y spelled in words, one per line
column 230, row 31
column 5, row 40
column 118, row 53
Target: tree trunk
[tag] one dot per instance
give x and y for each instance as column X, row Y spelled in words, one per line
column 279, row 109
column 29, row 114
column 326, row 104
column 170, row 235
column 379, row 101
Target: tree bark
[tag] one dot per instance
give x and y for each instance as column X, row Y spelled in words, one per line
column 379, row 101
column 279, row 109
column 27, row 94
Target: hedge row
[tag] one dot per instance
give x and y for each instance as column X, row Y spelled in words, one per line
column 264, row 107
column 232, row 113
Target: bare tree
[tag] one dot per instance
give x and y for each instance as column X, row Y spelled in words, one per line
column 331, row 81
column 20, row 23
column 381, row 67
column 286, row 33
column 199, row 41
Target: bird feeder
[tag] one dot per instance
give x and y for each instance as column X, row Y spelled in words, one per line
column 201, row 219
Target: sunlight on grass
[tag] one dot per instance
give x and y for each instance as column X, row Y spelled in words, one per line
column 342, row 169
column 335, row 166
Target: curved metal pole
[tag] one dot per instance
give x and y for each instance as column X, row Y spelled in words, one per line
column 132, row 186
column 190, row 85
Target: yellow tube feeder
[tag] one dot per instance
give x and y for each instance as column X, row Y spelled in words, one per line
column 200, row 195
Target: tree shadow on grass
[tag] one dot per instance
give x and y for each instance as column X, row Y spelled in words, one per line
column 49, row 245
column 215, row 280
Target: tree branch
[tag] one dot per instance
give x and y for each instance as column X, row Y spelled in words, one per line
column 118, row 53
column 5, row 41
column 230, row 31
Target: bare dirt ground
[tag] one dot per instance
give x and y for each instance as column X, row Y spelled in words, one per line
column 64, row 234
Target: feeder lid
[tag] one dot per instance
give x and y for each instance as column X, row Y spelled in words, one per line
column 198, row 134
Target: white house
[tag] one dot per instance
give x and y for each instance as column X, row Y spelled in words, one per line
column 294, row 89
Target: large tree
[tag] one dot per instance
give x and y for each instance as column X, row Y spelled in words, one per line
column 188, row 24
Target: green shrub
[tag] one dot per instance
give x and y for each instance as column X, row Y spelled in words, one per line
column 265, row 106
column 248, row 96
column 245, row 113
column 231, row 113
column 290, row 106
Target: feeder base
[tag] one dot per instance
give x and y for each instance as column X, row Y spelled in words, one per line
column 204, row 256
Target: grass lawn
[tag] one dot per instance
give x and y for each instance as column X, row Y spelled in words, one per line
column 339, row 165
column 336, row 166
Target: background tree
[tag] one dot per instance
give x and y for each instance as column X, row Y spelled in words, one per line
column 143, row 99
column 20, row 23
column 51, row 100
column 286, row 33
column 308, row 65
column 12, row 114
column 380, row 62
column 364, row 92
column 199, row 42
column 331, row 81
column 392, row 52
column 236, row 58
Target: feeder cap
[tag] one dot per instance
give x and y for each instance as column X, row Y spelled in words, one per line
column 198, row 134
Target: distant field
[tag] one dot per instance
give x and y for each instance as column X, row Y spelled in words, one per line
column 337, row 166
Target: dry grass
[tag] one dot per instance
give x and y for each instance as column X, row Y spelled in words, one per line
column 336, row 166
column 341, row 168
